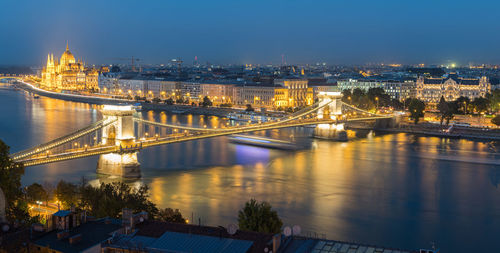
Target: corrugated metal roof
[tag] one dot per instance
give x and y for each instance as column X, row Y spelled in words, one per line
column 62, row 213
column 327, row 246
column 173, row 241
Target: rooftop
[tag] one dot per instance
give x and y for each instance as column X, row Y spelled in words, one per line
column 157, row 229
column 305, row 245
column 93, row 233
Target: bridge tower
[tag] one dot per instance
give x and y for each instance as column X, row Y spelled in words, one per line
column 121, row 134
column 332, row 111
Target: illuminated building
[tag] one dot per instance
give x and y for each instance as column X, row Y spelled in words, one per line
column 68, row 73
column 396, row 89
column 293, row 93
column 452, row 87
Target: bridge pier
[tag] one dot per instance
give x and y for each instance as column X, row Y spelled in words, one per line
column 331, row 132
column 121, row 165
column 121, row 134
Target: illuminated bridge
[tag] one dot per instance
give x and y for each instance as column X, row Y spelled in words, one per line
column 119, row 136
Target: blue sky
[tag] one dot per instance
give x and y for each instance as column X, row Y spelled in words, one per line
column 332, row 31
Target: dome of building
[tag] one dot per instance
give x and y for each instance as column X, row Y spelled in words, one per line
column 67, row 56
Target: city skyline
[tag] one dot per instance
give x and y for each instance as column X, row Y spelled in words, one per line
column 223, row 32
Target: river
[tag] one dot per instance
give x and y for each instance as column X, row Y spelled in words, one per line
column 396, row 190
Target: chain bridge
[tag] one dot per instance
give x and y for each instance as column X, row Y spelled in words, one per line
column 121, row 134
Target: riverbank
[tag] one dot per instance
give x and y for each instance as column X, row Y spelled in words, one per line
column 177, row 109
column 428, row 129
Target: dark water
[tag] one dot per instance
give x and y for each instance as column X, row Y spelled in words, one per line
column 395, row 190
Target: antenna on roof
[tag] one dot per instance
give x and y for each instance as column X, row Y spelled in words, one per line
column 287, row 231
column 296, row 230
column 232, row 228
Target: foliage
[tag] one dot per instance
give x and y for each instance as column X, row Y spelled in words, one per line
column 206, row 102
column 156, row 100
column 259, row 217
column 462, row 103
column 445, row 110
column 36, row 192
column 416, row 108
column 494, row 100
column 108, row 200
column 480, row 104
column 496, row 120
column 170, row 215
column 10, row 182
column 227, row 105
column 249, row 108
column 67, row 193
column 368, row 100
column 169, row 101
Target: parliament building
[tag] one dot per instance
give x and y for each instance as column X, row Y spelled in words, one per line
column 68, row 74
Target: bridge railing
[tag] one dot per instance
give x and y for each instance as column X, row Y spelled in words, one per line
column 61, row 140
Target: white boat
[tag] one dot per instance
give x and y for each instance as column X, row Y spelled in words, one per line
column 262, row 142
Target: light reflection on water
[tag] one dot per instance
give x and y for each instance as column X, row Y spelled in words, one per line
column 397, row 190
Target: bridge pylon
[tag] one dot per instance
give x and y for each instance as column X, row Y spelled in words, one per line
column 121, row 134
column 334, row 107
column 333, row 111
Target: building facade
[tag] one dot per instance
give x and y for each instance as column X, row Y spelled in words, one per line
column 293, row 93
column 396, row 89
column 452, row 87
column 68, row 74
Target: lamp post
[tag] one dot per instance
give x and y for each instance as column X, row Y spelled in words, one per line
column 376, row 99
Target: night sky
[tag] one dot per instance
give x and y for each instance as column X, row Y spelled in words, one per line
column 332, row 31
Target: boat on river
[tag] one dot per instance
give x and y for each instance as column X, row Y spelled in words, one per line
column 259, row 141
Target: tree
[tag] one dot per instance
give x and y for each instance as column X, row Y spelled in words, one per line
column 416, row 109
column 67, row 193
column 480, row 104
column 170, row 215
column 249, row 108
column 156, row 100
column 494, row 98
column 496, row 120
column 206, row 102
column 463, row 102
column 169, row 101
column 36, row 192
column 10, row 182
column 346, row 96
column 108, row 200
column 259, row 217
column 445, row 110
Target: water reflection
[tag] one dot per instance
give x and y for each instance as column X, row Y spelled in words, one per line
column 394, row 189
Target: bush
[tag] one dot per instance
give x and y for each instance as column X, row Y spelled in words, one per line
column 496, row 120
column 259, row 217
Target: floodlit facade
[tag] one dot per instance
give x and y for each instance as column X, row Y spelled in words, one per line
column 452, row 87
column 68, row 73
column 293, row 93
column 396, row 89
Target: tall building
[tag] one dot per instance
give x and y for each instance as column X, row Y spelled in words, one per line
column 68, row 73
column 451, row 87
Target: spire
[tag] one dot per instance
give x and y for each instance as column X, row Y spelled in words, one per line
column 67, row 46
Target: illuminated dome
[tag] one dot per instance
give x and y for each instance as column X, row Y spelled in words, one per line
column 67, row 56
